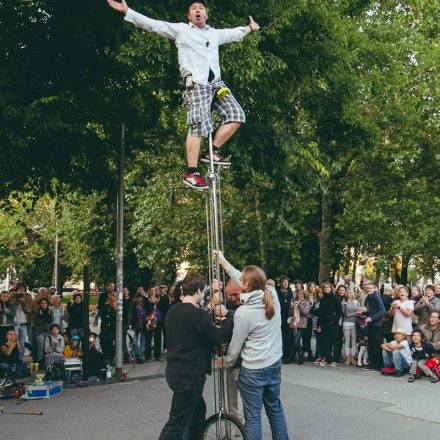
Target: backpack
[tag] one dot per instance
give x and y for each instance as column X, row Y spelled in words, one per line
column 54, row 372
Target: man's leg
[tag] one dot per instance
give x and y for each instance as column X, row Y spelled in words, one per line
column 22, row 333
column 231, row 383
column 224, row 133
column 186, row 399
column 157, row 342
column 192, row 150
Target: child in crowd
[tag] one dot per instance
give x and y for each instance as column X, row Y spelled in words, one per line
column 422, row 351
column 397, row 353
column 362, row 341
column 73, row 349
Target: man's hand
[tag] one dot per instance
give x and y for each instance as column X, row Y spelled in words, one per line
column 367, row 320
column 120, row 7
column 253, row 25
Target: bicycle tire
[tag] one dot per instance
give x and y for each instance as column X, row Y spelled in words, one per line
column 223, row 427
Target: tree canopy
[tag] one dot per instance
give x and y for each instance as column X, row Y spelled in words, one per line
column 338, row 161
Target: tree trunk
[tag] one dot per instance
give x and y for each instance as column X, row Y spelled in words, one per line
column 260, row 228
column 355, row 262
column 404, row 273
column 324, row 236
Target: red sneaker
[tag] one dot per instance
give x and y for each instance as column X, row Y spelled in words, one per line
column 218, row 159
column 193, row 180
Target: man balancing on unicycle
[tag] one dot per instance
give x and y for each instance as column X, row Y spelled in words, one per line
column 197, row 45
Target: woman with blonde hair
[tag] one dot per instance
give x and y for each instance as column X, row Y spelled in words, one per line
column 350, row 310
column 257, row 339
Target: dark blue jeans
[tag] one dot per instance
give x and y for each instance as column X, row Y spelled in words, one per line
column 257, row 388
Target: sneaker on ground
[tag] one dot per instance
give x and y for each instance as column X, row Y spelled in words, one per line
column 323, row 364
column 193, row 180
column 218, row 159
column 333, row 364
column 318, row 361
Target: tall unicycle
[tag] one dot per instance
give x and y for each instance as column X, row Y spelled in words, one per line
column 221, row 425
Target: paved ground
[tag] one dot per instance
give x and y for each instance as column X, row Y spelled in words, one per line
column 320, row 403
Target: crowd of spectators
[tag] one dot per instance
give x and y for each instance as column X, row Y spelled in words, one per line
column 358, row 325
column 389, row 330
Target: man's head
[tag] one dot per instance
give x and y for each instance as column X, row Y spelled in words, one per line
column 284, row 282
column 233, row 291
column 193, row 285
column 399, row 334
column 429, row 291
column 347, row 279
column 139, row 298
column 370, row 287
column 126, row 293
column 55, row 329
column 298, row 285
column 77, row 298
column 43, row 293
column 437, row 289
column 21, row 288
column 197, row 13
column 434, row 318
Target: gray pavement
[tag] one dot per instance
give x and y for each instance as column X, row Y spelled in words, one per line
column 320, row 403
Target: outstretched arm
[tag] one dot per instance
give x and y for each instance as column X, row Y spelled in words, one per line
column 163, row 28
column 238, row 33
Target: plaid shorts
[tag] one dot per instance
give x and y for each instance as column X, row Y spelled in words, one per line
column 198, row 101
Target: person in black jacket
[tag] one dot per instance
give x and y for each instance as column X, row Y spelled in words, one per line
column 284, row 297
column 375, row 314
column 191, row 338
column 75, row 315
column 329, row 315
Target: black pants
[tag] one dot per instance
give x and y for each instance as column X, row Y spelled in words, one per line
column 157, row 335
column 287, row 339
column 165, row 341
column 338, row 347
column 307, row 338
column 374, row 349
column 187, row 413
column 329, row 339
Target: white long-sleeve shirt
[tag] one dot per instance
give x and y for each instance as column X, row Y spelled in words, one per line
column 197, row 48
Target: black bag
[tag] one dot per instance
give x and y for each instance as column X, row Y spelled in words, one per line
column 54, row 372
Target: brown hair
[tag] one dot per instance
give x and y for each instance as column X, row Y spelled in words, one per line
column 327, row 283
column 256, row 279
column 192, row 283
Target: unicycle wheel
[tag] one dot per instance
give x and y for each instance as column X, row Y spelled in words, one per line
column 223, row 427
